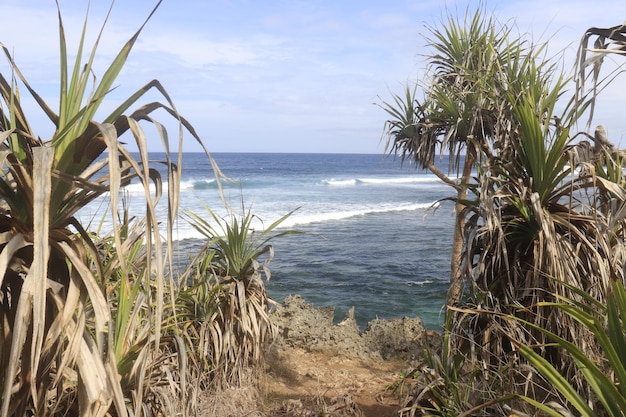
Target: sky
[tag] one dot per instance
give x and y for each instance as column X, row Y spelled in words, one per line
column 281, row 75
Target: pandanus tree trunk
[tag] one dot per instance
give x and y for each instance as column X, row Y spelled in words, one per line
column 456, row 279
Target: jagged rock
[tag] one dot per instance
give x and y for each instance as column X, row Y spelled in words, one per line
column 302, row 325
column 396, row 337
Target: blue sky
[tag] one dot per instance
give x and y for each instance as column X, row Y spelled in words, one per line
column 283, row 76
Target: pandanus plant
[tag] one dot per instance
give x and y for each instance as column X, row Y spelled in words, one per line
column 225, row 295
column 59, row 353
column 472, row 63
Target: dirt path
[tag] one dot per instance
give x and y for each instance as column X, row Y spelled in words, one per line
column 300, row 383
column 317, row 368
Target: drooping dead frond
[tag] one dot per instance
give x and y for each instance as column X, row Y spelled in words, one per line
column 607, row 41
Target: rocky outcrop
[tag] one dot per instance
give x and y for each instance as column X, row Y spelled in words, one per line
column 301, row 325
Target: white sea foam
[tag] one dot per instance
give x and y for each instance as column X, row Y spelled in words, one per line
column 304, row 219
column 341, row 183
column 195, row 184
column 400, row 180
column 137, row 188
column 265, row 214
column 424, row 179
column 185, row 185
column 419, row 283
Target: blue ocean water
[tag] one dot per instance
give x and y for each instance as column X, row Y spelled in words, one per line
column 372, row 238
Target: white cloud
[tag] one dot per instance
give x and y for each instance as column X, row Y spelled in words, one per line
column 196, row 51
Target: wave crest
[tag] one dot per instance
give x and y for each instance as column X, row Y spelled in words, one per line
column 304, row 219
column 429, row 179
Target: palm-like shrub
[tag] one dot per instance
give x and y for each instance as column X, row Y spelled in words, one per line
column 63, row 350
column 536, row 217
column 227, row 303
column 475, row 61
column 141, row 350
column 595, row 304
column 547, row 224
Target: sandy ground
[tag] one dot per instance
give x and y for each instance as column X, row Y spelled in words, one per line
column 299, row 383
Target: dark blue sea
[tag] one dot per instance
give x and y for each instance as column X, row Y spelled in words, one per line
column 374, row 236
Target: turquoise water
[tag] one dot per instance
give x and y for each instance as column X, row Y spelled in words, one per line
column 368, row 241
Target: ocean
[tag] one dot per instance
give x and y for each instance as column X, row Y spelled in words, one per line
column 374, row 236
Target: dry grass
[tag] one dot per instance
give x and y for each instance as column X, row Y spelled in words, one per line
column 235, row 401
